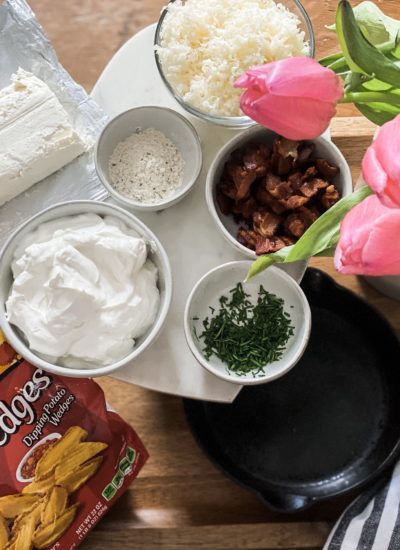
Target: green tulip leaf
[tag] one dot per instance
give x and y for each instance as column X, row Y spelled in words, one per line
column 320, row 239
column 375, row 85
column 342, row 24
column 374, row 24
column 338, row 64
column 265, row 261
column 396, row 50
column 327, row 253
column 324, row 232
column 378, row 113
column 360, row 54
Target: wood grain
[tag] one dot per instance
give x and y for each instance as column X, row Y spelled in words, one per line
column 222, row 537
column 180, row 500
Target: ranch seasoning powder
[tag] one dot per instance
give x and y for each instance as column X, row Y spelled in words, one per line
column 146, row 167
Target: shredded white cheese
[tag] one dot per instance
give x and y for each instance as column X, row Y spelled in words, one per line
column 146, row 167
column 207, row 44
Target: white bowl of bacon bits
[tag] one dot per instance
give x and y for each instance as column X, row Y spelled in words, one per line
column 85, row 288
column 148, row 158
column 264, row 191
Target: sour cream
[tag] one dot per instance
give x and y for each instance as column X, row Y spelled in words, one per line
column 83, row 290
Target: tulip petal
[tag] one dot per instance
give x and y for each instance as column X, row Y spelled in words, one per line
column 372, row 171
column 353, row 237
column 381, row 254
column 295, row 119
column 296, row 77
column 392, row 196
column 381, row 164
column 296, row 97
column 243, row 81
column 305, row 77
column 368, row 243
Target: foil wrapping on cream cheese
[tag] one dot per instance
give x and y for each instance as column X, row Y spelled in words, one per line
column 24, row 44
column 36, row 135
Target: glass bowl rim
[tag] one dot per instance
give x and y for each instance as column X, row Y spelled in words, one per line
column 234, row 121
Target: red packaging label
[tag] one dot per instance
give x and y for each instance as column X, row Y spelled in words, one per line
column 41, row 420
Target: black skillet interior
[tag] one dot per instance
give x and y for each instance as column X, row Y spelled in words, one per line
column 331, row 424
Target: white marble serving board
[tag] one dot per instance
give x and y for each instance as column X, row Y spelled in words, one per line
column 192, row 241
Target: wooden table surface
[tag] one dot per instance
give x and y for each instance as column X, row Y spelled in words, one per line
column 180, row 500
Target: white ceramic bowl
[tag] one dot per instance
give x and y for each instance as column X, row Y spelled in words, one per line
column 226, row 224
column 218, row 282
column 156, row 253
column 174, row 126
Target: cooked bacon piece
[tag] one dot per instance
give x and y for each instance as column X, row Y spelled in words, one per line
column 284, row 154
column 228, row 189
column 304, row 154
column 286, row 147
column 277, row 188
column 256, row 157
column 247, row 237
column 299, row 221
column 295, row 181
column 295, row 225
column 329, row 197
column 266, row 223
column 245, row 208
column 272, row 244
column 272, row 182
column 225, row 203
column 293, row 202
column 266, row 199
column 242, row 179
column 309, row 174
column 326, row 169
column 281, row 166
column 311, row 187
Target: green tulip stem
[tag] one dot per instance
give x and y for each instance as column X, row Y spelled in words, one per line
column 338, row 65
column 371, row 97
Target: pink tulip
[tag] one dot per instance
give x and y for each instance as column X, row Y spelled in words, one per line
column 294, row 97
column 381, row 164
column 368, row 242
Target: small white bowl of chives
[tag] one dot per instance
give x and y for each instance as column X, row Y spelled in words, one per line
column 250, row 332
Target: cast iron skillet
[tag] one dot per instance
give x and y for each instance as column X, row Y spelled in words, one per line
column 329, row 425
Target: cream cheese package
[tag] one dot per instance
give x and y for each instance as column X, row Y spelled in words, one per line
column 36, row 135
column 24, row 44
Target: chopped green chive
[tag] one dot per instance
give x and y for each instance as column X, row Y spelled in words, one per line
column 246, row 336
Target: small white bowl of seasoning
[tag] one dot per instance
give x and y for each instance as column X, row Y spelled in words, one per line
column 148, row 158
column 250, row 332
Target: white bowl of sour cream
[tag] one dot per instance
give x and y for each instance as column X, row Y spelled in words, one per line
column 85, row 288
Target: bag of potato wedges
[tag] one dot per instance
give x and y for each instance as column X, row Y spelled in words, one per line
column 65, row 458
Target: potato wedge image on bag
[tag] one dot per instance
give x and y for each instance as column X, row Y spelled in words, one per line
column 68, row 459
column 40, row 514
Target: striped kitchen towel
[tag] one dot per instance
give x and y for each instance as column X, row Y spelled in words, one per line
column 372, row 521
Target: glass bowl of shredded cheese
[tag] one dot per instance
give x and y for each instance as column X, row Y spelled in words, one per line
column 202, row 47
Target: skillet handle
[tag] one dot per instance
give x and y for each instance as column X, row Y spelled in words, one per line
column 284, row 502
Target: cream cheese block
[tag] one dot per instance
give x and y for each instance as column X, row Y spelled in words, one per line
column 36, row 135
